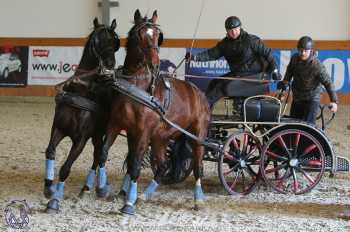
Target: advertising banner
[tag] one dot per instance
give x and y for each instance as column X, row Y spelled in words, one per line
column 13, row 66
column 336, row 62
column 51, row 65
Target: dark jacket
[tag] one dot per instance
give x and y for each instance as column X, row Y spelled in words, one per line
column 308, row 77
column 245, row 55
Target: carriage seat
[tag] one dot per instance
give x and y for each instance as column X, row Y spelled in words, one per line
column 262, row 109
column 237, row 91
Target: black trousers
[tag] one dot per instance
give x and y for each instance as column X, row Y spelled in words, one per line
column 305, row 110
column 215, row 91
column 219, row 88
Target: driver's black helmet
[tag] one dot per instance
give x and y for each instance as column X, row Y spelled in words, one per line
column 232, row 22
column 306, row 43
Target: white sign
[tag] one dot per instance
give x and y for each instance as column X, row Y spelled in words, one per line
column 51, row 65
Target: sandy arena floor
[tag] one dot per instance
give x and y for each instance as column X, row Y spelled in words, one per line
column 25, row 125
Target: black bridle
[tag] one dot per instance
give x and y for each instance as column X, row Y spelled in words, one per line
column 98, row 53
column 150, row 25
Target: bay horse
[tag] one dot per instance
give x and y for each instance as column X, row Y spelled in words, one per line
column 81, row 112
column 188, row 108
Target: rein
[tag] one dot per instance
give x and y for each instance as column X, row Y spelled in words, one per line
column 234, row 78
column 86, row 73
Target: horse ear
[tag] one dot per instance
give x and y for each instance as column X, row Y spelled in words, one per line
column 154, row 16
column 113, row 24
column 137, row 16
column 96, row 22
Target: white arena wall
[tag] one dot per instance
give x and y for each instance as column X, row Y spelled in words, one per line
column 270, row 19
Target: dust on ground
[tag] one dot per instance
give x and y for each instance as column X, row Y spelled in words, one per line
column 25, row 124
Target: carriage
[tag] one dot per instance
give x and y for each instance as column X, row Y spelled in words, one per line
column 258, row 143
column 255, row 143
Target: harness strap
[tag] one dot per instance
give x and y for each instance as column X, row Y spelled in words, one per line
column 144, row 98
column 76, row 101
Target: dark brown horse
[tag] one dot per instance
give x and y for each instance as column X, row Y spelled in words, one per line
column 188, row 108
column 81, row 112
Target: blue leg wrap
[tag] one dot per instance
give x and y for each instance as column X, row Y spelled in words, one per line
column 59, row 193
column 198, row 193
column 126, row 183
column 151, row 188
column 101, row 178
column 90, row 179
column 53, row 188
column 132, row 194
column 50, row 169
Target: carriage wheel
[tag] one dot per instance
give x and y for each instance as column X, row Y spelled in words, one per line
column 179, row 163
column 239, row 163
column 294, row 162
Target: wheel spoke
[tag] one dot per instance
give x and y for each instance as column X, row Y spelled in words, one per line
column 308, row 149
column 234, row 181
column 274, row 155
column 230, row 170
column 245, row 143
column 284, row 146
column 296, row 142
column 307, row 176
column 295, row 181
column 243, row 179
column 235, row 144
column 313, row 162
column 277, row 168
column 229, row 156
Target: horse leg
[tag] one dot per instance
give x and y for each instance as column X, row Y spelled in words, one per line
column 97, row 141
column 125, row 184
column 102, row 188
column 159, row 163
column 198, row 152
column 77, row 147
column 137, row 147
column 50, row 153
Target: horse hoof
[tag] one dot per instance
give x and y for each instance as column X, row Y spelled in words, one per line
column 198, row 205
column 52, row 206
column 128, row 209
column 84, row 194
column 121, row 194
column 111, row 197
column 102, row 192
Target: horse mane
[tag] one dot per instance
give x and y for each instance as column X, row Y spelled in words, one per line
column 132, row 45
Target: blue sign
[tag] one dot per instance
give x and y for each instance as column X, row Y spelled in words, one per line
column 336, row 62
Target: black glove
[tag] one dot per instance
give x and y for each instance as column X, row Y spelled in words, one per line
column 282, row 85
column 275, row 75
column 189, row 56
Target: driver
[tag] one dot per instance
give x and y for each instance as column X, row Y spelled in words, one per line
column 308, row 75
column 245, row 53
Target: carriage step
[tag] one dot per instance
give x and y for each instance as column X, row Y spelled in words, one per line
column 343, row 164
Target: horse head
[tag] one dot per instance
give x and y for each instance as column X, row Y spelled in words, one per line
column 143, row 42
column 101, row 46
column 98, row 54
